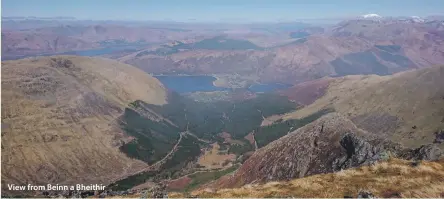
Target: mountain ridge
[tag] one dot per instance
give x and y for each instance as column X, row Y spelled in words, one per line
column 383, row 104
column 387, row 179
column 59, row 118
column 331, row 143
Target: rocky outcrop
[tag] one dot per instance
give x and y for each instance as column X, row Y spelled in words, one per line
column 394, row 178
column 358, row 151
column 425, row 152
column 365, row 194
column 439, row 136
column 332, row 143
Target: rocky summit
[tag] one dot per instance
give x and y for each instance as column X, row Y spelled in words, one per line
column 330, row 144
column 393, row 178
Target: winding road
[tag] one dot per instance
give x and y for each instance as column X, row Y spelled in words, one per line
column 157, row 164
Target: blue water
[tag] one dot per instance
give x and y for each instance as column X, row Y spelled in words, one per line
column 92, row 52
column 186, row 84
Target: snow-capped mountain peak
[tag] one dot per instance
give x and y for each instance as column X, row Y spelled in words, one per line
column 417, row 19
column 371, row 16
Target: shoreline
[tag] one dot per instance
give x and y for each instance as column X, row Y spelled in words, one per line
column 219, row 80
column 227, row 81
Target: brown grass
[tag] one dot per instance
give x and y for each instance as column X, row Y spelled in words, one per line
column 213, row 160
column 307, row 92
column 412, row 98
column 270, row 120
column 179, row 184
column 394, row 177
column 146, row 185
column 60, row 116
column 250, row 138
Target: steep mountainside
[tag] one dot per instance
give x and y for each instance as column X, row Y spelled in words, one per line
column 407, row 107
column 69, row 119
column 400, row 115
column 59, row 119
column 331, row 143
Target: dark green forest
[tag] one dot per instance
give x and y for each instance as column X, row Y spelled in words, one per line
column 188, row 151
column 154, row 139
column 216, row 43
column 266, row 134
column 206, row 120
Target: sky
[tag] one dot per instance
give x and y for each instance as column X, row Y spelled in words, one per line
column 218, row 10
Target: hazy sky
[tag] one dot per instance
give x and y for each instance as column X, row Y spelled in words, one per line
column 218, row 10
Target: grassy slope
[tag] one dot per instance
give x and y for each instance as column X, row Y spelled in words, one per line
column 407, row 107
column 58, row 115
column 201, row 178
column 385, row 179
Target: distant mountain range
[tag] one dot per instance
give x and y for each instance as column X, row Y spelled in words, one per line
column 284, row 52
column 18, row 18
column 366, row 99
column 351, row 47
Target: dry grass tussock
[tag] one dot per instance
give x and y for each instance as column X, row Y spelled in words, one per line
column 393, row 178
